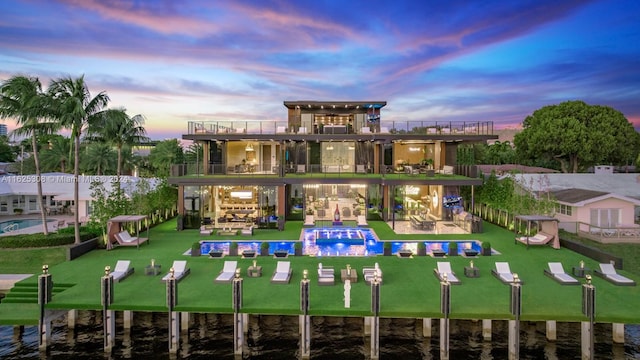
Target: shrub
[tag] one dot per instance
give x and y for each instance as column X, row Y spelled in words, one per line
column 40, row 240
column 453, row 248
column 195, row 249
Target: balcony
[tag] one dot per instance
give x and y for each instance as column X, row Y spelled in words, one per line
column 273, row 127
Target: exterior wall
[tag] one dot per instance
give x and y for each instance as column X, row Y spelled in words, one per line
column 583, row 214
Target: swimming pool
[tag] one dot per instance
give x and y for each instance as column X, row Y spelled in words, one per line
column 13, row 225
column 339, row 242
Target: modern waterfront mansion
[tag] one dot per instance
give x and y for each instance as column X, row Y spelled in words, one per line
column 327, row 157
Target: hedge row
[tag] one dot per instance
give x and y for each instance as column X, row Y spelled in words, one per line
column 40, row 240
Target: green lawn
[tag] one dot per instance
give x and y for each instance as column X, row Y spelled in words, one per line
column 409, row 289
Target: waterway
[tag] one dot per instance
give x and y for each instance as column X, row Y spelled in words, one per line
column 276, row 337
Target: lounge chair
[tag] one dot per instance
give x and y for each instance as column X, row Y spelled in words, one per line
column 122, row 270
column 308, row 221
column 541, row 238
column 180, row 270
column 609, row 273
column 125, row 239
column 362, row 221
column 282, row 275
column 444, row 268
column 557, row 273
column 503, row 272
column 204, row 231
column 369, row 272
column 325, row 275
column 227, row 273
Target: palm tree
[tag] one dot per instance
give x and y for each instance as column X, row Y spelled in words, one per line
column 22, row 98
column 99, row 159
column 56, row 156
column 119, row 129
column 75, row 110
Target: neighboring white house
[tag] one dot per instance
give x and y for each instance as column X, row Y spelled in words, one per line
column 20, row 192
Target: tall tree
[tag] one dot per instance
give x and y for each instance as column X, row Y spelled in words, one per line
column 22, row 99
column 118, row 129
column 75, row 110
column 98, row 159
column 577, row 135
column 163, row 155
column 55, row 157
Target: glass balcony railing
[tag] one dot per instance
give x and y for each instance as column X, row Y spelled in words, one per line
column 269, row 127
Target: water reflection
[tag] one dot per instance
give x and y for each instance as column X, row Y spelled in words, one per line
column 276, row 337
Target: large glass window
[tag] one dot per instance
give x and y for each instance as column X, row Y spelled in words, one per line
column 338, row 157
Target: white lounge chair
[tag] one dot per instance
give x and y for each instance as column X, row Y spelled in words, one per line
column 204, row 231
column 362, row 221
column 282, row 275
column 609, row 273
column 180, row 270
column 309, row 221
column 503, row 272
column 557, row 273
column 122, row 270
column 125, row 239
column 368, row 273
column 228, row 272
column 444, row 268
column 325, row 275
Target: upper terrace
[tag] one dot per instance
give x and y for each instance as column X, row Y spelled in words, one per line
column 439, row 129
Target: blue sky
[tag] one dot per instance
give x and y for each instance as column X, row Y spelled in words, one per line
column 175, row 61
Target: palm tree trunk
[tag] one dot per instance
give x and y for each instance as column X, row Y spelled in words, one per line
column 119, row 171
column 43, row 210
column 76, row 188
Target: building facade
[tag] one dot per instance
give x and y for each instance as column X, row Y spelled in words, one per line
column 329, row 159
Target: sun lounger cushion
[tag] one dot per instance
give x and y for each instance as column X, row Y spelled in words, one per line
column 282, row 275
column 180, row 270
column 445, row 268
column 228, row 272
column 556, row 272
column 609, row 273
column 122, row 270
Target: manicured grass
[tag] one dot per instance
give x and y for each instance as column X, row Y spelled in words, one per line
column 409, row 287
column 29, row 261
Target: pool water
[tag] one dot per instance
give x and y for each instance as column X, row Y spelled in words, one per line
column 13, row 225
column 339, row 242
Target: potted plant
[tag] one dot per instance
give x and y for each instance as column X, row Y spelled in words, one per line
column 233, row 249
column 195, row 249
column 297, row 247
column 264, row 249
column 486, row 248
column 422, row 248
column 453, row 248
column 386, row 247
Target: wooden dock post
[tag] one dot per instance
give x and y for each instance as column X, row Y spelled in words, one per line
column 375, row 319
column 589, row 310
column 108, row 316
column 426, row 327
column 618, row 333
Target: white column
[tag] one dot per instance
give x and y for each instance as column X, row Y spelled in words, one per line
column 367, row 325
column 184, row 328
column 551, row 330
column 486, row 329
column 514, row 340
column 618, row 333
column 127, row 319
column 72, row 315
column 426, row 327
column 585, row 340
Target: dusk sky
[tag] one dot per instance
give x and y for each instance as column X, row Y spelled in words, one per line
column 175, row 61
